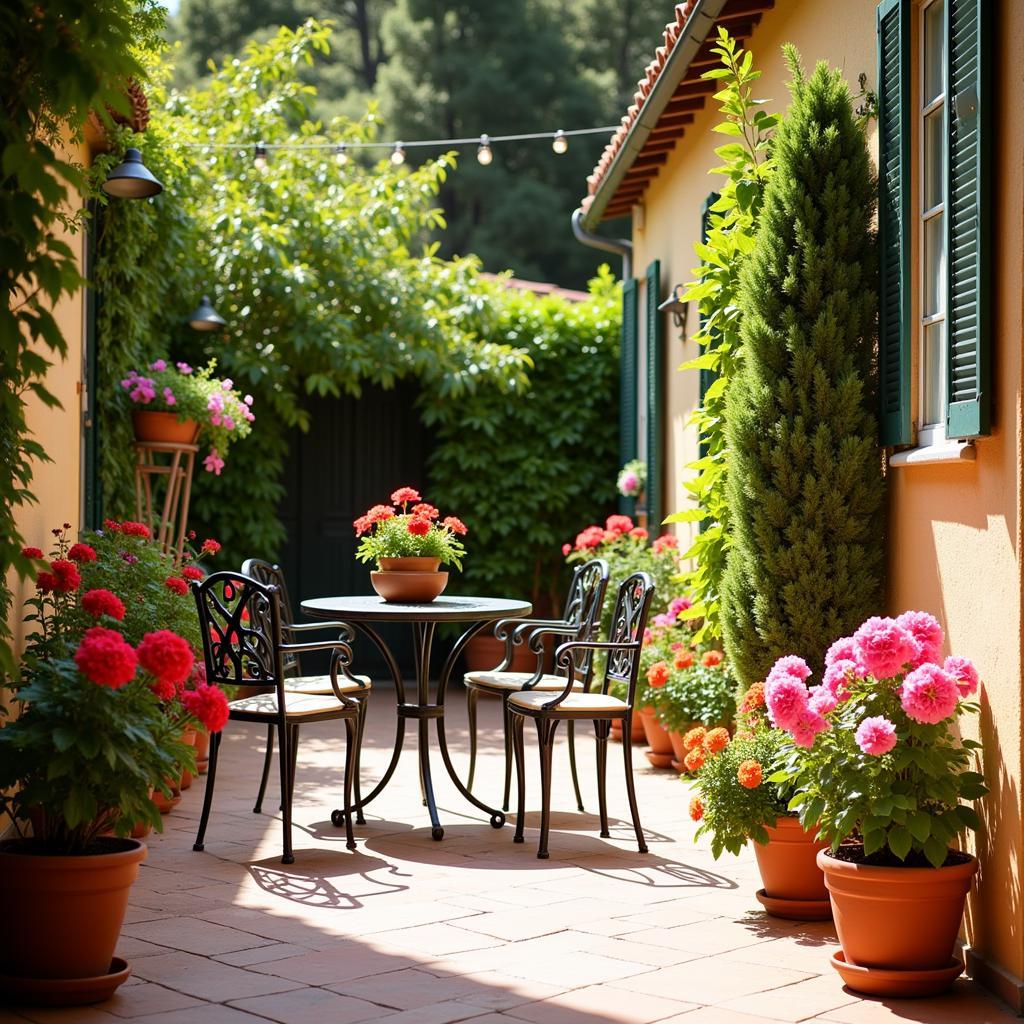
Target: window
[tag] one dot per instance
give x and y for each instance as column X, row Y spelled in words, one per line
column 933, row 313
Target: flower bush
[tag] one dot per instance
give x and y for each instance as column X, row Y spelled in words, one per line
column 872, row 751
column 409, row 528
column 101, row 694
column 223, row 415
column 632, row 478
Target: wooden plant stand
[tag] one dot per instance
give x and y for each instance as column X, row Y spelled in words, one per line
column 169, row 530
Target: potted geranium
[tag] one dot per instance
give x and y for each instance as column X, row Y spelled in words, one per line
column 176, row 403
column 99, row 725
column 632, row 478
column 737, row 802
column 700, row 692
column 877, row 764
column 409, row 541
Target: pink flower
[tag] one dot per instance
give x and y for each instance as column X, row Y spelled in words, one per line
column 787, row 699
column 965, row 674
column 844, row 649
column 837, row 675
column 229, row 423
column 183, row 368
column 679, row 604
column 213, row 463
column 884, row 647
column 929, row 694
column 823, row 700
column 629, row 483
column 925, row 629
column 876, row 736
column 159, row 366
column 247, row 399
column 169, row 397
column 566, row 548
column 790, row 665
column 806, row 725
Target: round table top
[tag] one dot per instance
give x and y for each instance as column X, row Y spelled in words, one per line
column 371, row 608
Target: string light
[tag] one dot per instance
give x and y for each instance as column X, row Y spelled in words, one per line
column 483, row 152
column 398, row 154
column 340, row 154
column 259, row 157
column 560, row 143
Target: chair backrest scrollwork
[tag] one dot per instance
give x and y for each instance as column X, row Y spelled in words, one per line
column 629, row 620
column 583, row 609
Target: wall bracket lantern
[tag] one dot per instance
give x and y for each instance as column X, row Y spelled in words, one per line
column 132, row 179
column 679, row 309
column 205, row 318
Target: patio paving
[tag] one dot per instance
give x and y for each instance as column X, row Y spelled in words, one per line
column 406, row 930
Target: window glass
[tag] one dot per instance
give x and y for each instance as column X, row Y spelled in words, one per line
column 934, row 52
column 934, row 165
column 932, row 374
column 933, row 266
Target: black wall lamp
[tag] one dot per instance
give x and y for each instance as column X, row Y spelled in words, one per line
column 675, row 305
column 132, row 179
column 205, row 318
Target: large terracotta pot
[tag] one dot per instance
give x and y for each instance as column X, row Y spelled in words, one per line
column 659, row 751
column 485, row 651
column 163, row 427
column 794, row 886
column 637, row 734
column 202, row 751
column 63, row 913
column 679, row 752
column 406, row 587
column 897, row 926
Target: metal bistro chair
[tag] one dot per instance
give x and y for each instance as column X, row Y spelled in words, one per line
column 251, row 652
column 357, row 687
column 580, row 620
column 623, row 665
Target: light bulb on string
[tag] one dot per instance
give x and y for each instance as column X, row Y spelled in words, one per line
column 259, row 157
column 398, row 154
column 560, row 143
column 484, row 153
column 341, row 154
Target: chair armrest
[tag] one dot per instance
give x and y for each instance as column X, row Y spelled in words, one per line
column 512, row 631
column 342, row 658
column 346, row 631
column 564, row 660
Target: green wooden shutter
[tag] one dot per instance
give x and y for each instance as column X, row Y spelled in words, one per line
column 655, row 403
column 894, row 221
column 627, row 386
column 968, row 410
column 707, row 377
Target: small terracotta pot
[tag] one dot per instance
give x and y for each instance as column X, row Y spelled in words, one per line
column 65, row 913
column 166, row 804
column 678, row 750
column 409, row 564
column 485, row 651
column 794, row 887
column 659, row 751
column 897, row 926
column 202, row 751
column 402, row 587
column 163, row 427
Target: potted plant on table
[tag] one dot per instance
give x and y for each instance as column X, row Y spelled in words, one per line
column 409, row 541
column 99, row 725
column 178, row 404
column 876, row 763
column 737, row 801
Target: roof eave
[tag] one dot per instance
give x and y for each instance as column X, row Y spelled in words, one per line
column 694, row 32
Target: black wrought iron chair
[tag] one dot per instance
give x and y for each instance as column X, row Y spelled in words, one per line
column 622, row 665
column 240, row 620
column 357, row 687
column 580, row 620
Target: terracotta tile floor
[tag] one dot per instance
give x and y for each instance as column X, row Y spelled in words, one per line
column 410, row 931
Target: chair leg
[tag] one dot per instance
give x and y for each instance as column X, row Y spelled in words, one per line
column 351, row 760
column 516, row 734
column 506, row 718
column 211, row 778
column 472, row 698
column 295, row 761
column 546, row 737
column 601, row 727
column 285, row 761
column 267, row 758
column 364, row 707
column 627, row 750
column 572, row 765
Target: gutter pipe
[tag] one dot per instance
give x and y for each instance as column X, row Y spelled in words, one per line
column 620, row 246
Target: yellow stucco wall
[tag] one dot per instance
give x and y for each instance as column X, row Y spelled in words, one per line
column 955, row 529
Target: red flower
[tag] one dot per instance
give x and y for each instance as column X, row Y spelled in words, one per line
column 712, row 658
column 418, row 527
column 639, row 533
column 591, row 537
column 103, row 602
column 82, row 553
column 405, row 494
column 455, row 524
column 191, row 572
column 425, row 510
column 210, row 546
column 133, row 529
column 716, row 740
column 209, row 705
column 106, row 658
column 684, row 660
column 566, row 548
column 112, row 525
column 362, row 525
column 167, row 656
column 379, row 513
column 46, row 583
column 619, row 524
column 163, row 689
column 749, row 774
column 665, row 541
column 67, row 575
column 176, row 585
column 32, row 552
column 696, row 808
column 657, row 674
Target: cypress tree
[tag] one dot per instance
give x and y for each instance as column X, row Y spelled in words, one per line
column 805, row 487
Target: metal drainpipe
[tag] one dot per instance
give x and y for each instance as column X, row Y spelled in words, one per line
column 620, row 246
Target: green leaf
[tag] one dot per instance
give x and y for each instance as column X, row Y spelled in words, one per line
column 900, row 840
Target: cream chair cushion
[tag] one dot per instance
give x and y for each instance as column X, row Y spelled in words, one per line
column 322, row 684
column 599, row 703
column 510, row 681
column 295, row 704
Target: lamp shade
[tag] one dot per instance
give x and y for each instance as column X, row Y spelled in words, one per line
column 205, row 318
column 131, row 179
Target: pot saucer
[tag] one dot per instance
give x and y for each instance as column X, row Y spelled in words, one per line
column 881, row 981
column 65, row 991
column 795, row 910
column 658, row 760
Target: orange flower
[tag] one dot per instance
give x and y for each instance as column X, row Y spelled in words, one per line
column 716, row 740
column 694, row 759
column 754, row 698
column 696, row 808
column 694, row 738
column 657, row 674
column 711, row 658
column 404, row 495
column 749, row 774
column 683, row 660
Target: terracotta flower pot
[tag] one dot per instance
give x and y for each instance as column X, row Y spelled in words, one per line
column 409, row 564
column 794, row 886
column 637, row 734
column 659, row 751
column 189, row 736
column 485, row 651
column 64, row 913
column 402, row 587
column 675, row 737
column 163, row 427
column 202, row 751
column 166, row 804
column 897, row 926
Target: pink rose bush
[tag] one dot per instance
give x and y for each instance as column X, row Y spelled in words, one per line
column 874, row 752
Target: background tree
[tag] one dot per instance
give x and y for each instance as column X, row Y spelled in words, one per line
column 805, row 480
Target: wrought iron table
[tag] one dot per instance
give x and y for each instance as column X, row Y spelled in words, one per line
column 362, row 612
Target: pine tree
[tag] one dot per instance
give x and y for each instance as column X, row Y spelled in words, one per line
column 806, row 490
